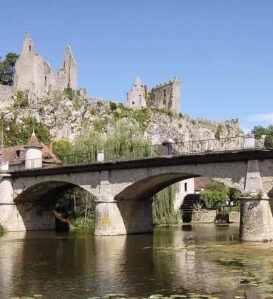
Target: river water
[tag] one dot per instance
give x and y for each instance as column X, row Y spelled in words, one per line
column 200, row 259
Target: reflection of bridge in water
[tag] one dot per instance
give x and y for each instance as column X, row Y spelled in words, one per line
column 123, row 189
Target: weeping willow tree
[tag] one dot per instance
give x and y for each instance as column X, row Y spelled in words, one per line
column 125, row 141
column 163, row 207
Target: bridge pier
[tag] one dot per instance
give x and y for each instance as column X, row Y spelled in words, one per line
column 22, row 216
column 9, row 215
column 256, row 221
column 123, row 217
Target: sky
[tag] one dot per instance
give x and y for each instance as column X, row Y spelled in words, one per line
column 221, row 49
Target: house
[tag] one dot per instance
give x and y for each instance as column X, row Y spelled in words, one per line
column 32, row 155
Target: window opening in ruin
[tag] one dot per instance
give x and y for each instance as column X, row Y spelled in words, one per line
column 18, row 154
column 29, row 47
column 164, row 92
column 185, row 187
column 45, row 79
column 133, row 103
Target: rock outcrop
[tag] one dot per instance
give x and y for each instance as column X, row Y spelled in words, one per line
column 68, row 115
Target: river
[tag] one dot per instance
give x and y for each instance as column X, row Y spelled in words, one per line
column 200, row 259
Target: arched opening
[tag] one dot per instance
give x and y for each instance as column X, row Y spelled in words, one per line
column 54, row 205
column 162, row 196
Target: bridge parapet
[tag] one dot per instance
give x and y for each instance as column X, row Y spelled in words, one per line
column 187, row 148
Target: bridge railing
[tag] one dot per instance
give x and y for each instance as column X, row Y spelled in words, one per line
column 154, row 150
column 158, row 150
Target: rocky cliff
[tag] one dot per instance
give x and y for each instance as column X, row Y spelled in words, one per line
column 68, row 114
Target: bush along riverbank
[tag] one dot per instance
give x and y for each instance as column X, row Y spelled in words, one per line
column 2, row 230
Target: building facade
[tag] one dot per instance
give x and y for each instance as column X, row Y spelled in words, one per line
column 162, row 96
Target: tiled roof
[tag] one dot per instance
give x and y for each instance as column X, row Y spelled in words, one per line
column 33, row 142
column 16, row 154
column 201, row 183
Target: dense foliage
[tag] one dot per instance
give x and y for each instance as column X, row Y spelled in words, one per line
column 259, row 131
column 16, row 133
column 217, row 194
column 61, row 147
column 163, row 207
column 124, row 142
column 7, row 69
column 75, row 202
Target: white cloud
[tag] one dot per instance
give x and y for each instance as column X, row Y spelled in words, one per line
column 266, row 117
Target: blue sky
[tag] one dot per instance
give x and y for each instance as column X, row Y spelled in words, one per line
column 221, row 49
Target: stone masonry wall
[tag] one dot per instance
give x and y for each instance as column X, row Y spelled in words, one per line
column 166, row 96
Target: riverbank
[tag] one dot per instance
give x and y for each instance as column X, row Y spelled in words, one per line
column 124, row 296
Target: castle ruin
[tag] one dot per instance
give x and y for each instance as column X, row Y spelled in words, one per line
column 36, row 76
column 162, row 96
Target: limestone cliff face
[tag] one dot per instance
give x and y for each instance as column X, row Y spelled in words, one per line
column 67, row 115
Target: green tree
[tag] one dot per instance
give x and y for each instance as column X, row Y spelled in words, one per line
column 259, row 131
column 16, row 133
column 216, row 194
column 61, row 147
column 7, row 69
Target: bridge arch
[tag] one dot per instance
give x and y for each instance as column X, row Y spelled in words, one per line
column 36, row 204
column 148, row 185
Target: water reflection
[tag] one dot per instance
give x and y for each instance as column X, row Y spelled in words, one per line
column 204, row 259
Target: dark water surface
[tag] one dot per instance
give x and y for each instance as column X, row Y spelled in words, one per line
column 204, row 259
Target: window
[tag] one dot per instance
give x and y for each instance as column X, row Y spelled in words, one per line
column 29, row 48
column 133, row 103
column 185, row 187
column 18, row 154
column 164, row 92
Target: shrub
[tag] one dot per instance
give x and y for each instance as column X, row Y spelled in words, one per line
column 21, row 100
column 69, row 93
column 2, row 229
column 101, row 124
column 61, row 147
column 113, row 106
column 218, row 132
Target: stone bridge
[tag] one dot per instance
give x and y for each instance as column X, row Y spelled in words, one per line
column 123, row 190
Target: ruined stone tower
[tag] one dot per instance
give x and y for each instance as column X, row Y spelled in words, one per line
column 68, row 70
column 136, row 96
column 162, row 96
column 166, row 95
column 37, row 76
